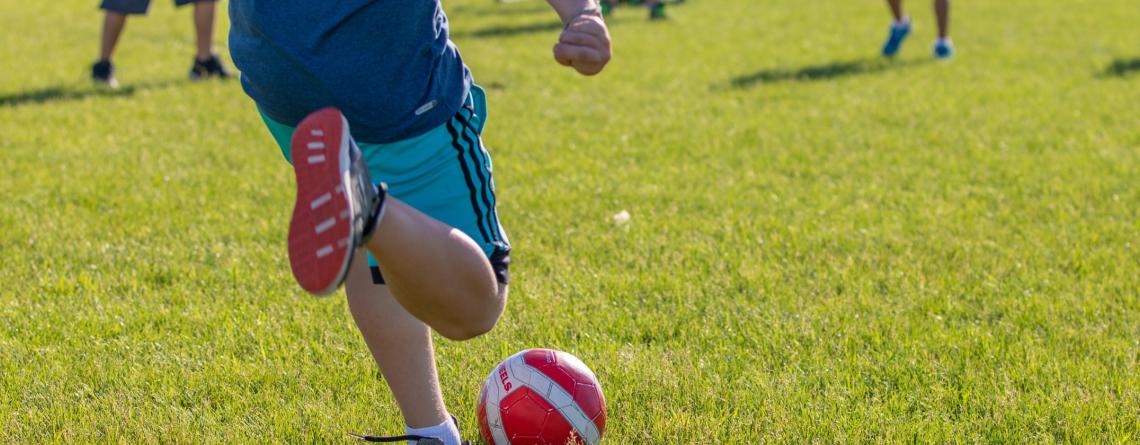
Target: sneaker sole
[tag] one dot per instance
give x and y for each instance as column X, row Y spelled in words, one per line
column 320, row 233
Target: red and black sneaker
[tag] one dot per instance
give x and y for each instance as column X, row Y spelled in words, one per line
column 337, row 205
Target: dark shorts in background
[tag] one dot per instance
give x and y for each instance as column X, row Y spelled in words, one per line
column 136, row 6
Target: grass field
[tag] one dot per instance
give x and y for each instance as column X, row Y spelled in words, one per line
column 824, row 247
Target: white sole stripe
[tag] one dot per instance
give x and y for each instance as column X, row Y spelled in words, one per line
column 324, row 251
column 316, row 158
column 316, row 145
column 327, row 224
column 320, row 201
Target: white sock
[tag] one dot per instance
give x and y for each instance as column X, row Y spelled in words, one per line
column 902, row 23
column 446, row 431
column 943, row 41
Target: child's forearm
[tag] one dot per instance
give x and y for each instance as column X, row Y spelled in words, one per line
column 568, row 9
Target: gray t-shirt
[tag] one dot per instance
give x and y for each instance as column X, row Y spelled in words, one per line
column 388, row 65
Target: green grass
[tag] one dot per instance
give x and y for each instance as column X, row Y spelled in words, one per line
column 824, row 247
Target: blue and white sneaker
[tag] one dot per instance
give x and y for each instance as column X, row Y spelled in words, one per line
column 943, row 49
column 899, row 31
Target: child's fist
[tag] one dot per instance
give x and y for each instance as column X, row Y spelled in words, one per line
column 584, row 44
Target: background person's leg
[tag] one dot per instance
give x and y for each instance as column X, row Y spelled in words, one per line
column 896, row 9
column 204, row 28
column 656, row 9
column 206, row 63
column 943, row 48
column 942, row 10
column 113, row 25
column 900, row 28
column 115, row 21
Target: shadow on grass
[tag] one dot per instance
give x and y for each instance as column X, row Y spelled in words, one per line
column 1122, row 67
column 825, row 71
column 72, row 92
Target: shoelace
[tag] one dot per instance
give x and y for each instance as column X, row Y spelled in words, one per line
column 420, row 440
column 393, row 438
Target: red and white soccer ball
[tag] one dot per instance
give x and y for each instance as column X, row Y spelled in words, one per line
column 542, row 396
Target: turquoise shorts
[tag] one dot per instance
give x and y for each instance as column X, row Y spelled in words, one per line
column 444, row 173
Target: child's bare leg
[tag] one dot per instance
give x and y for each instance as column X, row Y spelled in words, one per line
column 400, row 344
column 436, row 272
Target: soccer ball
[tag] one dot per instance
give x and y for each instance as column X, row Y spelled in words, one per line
column 542, row 396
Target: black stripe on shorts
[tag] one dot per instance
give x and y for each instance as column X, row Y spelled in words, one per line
column 475, row 150
column 470, row 185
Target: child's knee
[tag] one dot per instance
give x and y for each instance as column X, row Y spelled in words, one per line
column 478, row 322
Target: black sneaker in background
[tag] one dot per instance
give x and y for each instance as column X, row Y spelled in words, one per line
column 103, row 73
column 211, row 67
